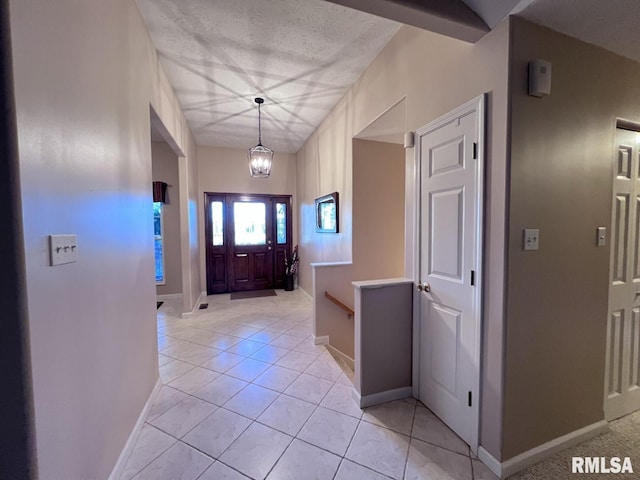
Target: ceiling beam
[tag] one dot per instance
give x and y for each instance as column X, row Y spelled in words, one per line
column 452, row 18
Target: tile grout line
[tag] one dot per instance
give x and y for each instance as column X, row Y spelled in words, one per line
column 154, row 458
column 413, row 421
column 252, row 382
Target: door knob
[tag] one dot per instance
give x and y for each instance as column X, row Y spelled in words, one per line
column 424, row 287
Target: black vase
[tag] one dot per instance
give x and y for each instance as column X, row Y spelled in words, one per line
column 288, row 283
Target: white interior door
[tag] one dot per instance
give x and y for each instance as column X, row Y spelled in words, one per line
column 622, row 380
column 450, row 166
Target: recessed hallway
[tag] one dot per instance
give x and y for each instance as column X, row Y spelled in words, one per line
column 248, row 395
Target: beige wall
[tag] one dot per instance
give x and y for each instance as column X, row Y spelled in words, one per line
column 226, row 170
column 378, row 210
column 561, row 183
column 86, row 74
column 436, row 74
column 165, row 169
column 329, row 319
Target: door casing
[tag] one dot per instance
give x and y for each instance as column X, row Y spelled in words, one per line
column 476, row 105
column 224, row 252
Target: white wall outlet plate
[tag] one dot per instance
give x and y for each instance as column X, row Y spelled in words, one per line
column 531, row 238
column 63, row 249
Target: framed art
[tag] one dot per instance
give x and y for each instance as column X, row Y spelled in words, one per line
column 327, row 213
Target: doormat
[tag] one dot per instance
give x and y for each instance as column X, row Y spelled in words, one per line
column 203, row 306
column 158, row 305
column 253, row 294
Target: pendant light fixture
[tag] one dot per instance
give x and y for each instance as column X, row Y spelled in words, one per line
column 260, row 157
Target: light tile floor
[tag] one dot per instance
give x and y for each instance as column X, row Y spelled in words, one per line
column 247, row 394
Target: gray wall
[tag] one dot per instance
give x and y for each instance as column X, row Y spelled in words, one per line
column 384, row 332
column 561, row 183
column 165, row 169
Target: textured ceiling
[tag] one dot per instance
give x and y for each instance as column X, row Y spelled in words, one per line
column 301, row 56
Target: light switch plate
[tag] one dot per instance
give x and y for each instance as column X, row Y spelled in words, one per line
column 601, row 239
column 531, row 238
column 63, row 249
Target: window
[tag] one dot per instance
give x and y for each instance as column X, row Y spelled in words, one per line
column 159, row 242
column 281, row 223
column 217, row 224
column 250, row 223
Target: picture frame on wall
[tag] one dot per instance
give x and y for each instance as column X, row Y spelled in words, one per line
column 327, row 213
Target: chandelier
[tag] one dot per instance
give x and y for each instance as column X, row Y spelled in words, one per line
column 260, row 157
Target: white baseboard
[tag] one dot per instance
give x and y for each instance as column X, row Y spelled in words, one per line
column 533, row 456
column 169, row 296
column 321, row 340
column 490, row 461
column 116, row 473
column 306, row 294
column 381, row 397
column 196, row 307
column 341, row 356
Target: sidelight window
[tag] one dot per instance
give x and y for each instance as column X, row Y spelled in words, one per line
column 281, row 223
column 158, row 230
column 217, row 224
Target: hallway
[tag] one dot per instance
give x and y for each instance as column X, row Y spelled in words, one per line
column 247, row 394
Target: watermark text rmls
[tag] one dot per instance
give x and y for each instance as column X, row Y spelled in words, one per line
column 600, row 465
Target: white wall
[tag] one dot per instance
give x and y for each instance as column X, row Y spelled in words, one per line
column 226, row 170
column 86, row 74
column 435, row 74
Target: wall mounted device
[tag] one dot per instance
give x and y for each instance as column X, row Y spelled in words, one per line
column 63, row 249
column 539, row 78
column 409, row 140
column 531, row 238
column 601, row 239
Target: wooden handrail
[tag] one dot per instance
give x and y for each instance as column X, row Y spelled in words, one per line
column 346, row 308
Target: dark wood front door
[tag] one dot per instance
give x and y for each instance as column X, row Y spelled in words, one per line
column 247, row 237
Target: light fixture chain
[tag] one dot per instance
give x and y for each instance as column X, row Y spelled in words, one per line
column 259, row 126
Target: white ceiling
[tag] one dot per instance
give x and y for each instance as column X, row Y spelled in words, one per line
column 302, row 55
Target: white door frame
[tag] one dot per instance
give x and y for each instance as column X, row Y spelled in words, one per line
column 475, row 105
column 612, row 412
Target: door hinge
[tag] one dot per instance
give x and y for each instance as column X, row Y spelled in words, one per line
column 470, row 399
column 473, row 277
column 475, row 151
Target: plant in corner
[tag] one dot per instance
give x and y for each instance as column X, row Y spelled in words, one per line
column 290, row 268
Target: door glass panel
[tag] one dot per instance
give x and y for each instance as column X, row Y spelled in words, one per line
column 217, row 224
column 159, row 242
column 281, row 223
column 250, row 223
